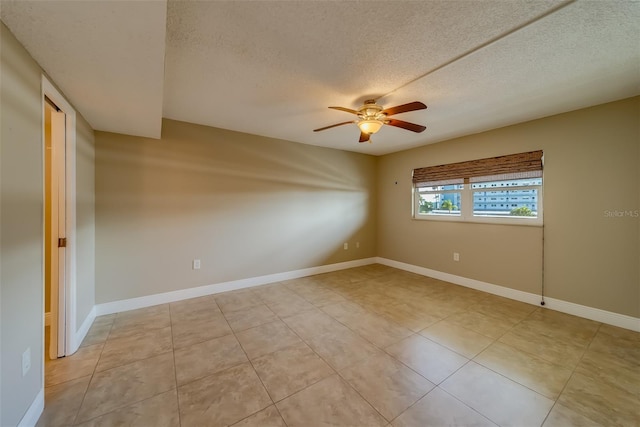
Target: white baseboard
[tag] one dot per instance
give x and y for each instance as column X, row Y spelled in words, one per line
column 608, row 317
column 32, row 415
column 47, row 318
column 464, row 281
column 603, row 316
column 615, row 319
column 173, row 296
column 82, row 332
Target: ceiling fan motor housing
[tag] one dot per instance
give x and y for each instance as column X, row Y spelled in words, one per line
column 371, row 111
column 371, row 117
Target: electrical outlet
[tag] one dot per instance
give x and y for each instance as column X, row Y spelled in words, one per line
column 456, row 256
column 346, row 246
column 26, row 361
column 357, row 245
column 196, row 264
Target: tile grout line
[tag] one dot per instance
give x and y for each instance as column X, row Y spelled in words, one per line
column 321, row 308
column 394, row 358
column 348, row 298
column 308, row 345
column 130, row 363
column 360, row 394
column 84, row 395
column 473, row 409
column 438, row 385
column 175, row 369
column 365, row 358
column 573, row 371
column 526, row 352
column 232, row 332
column 383, row 350
column 118, row 366
column 252, row 367
column 146, row 358
column 336, row 371
column 469, row 360
column 467, row 309
column 535, row 356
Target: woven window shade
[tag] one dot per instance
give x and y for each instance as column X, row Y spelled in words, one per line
column 513, row 166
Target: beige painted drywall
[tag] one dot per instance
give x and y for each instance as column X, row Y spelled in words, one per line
column 591, row 170
column 85, row 220
column 244, row 205
column 21, row 317
column 22, row 226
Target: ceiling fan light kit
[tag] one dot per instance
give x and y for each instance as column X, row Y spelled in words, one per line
column 371, row 118
column 370, row 126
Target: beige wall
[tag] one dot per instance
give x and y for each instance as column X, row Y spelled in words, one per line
column 85, row 220
column 591, row 165
column 22, row 226
column 21, row 195
column 244, row 205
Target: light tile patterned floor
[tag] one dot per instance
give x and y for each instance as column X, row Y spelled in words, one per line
column 368, row 346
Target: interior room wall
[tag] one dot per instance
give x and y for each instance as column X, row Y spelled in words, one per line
column 591, row 200
column 85, row 220
column 245, row 205
column 21, row 315
column 22, row 227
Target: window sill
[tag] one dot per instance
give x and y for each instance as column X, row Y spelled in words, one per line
column 529, row 222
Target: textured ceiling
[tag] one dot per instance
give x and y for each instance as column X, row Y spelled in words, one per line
column 273, row 67
column 106, row 56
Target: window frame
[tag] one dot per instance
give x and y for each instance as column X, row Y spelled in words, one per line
column 438, row 217
column 467, row 213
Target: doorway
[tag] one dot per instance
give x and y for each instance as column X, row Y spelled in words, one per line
column 58, row 303
column 54, row 229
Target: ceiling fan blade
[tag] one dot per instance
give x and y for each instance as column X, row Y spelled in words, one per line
column 404, row 108
column 406, row 125
column 332, row 126
column 348, row 110
column 364, row 137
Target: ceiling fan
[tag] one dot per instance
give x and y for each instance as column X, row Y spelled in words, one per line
column 372, row 116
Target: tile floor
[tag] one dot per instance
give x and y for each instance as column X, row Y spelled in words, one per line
column 368, row 346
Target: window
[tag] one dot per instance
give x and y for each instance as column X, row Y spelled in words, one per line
column 506, row 190
column 520, row 195
column 440, row 200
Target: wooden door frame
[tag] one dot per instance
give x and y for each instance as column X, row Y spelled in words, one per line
column 66, row 317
